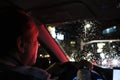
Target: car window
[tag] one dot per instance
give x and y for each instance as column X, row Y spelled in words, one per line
column 44, row 59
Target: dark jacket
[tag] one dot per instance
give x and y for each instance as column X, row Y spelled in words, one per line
column 23, row 73
column 11, row 69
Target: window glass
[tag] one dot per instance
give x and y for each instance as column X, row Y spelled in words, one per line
column 90, row 40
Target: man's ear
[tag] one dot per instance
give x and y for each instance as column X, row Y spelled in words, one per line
column 20, row 45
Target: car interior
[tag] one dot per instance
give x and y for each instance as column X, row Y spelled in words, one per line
column 79, row 38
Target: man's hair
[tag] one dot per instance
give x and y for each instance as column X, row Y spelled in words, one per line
column 13, row 22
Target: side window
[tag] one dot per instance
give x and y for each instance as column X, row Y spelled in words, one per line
column 43, row 59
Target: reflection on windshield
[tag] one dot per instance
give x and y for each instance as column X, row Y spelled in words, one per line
column 87, row 39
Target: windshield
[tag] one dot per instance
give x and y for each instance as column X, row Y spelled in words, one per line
column 89, row 40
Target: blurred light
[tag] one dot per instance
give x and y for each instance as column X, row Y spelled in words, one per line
column 89, row 54
column 99, row 79
column 111, row 41
column 72, row 42
column 104, row 62
column 115, row 62
column 51, row 29
column 102, row 55
column 44, row 56
column 107, row 56
column 41, row 55
column 60, row 36
column 100, row 45
column 109, row 30
column 113, row 46
column 99, row 50
column 47, row 56
column 88, row 59
column 70, row 58
column 114, row 27
column 87, row 26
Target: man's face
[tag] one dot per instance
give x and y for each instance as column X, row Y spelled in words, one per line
column 31, row 45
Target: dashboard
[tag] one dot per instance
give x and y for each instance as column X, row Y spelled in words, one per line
column 73, row 71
